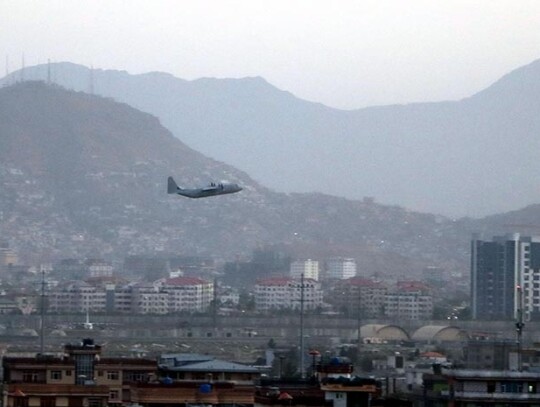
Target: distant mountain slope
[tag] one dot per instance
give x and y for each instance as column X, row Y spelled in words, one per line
column 473, row 157
column 81, row 175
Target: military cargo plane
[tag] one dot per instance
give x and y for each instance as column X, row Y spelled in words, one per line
column 211, row 190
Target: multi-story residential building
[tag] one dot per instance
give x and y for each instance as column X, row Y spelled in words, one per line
column 412, row 301
column 80, row 378
column 8, row 257
column 359, row 296
column 464, row 387
column 99, row 268
column 499, row 270
column 77, row 297
column 149, row 300
column 340, row 268
column 286, row 293
column 119, row 298
column 188, row 294
column 169, row 295
column 309, row 268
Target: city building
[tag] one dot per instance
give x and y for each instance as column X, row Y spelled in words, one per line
column 8, row 257
column 410, row 301
column 189, row 294
column 501, row 268
column 340, row 268
column 81, row 377
column 285, row 293
column 99, row 268
column 148, row 299
column 358, row 296
column 79, row 296
column 464, row 387
column 309, row 268
column 331, row 384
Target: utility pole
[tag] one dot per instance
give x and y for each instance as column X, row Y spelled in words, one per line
column 302, row 370
column 215, row 304
column 519, row 325
column 42, row 314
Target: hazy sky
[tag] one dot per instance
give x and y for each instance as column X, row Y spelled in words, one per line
column 347, row 53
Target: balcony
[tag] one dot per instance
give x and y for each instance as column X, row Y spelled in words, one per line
column 474, row 395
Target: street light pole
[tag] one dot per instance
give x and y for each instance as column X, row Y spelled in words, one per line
column 302, row 370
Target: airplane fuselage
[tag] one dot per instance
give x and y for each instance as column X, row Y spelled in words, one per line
column 210, row 190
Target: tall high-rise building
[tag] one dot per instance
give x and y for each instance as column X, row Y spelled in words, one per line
column 501, row 267
column 309, row 268
column 340, row 268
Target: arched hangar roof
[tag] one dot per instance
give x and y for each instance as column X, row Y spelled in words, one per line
column 388, row 332
column 439, row 333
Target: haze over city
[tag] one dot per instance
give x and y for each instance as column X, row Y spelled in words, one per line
column 346, row 54
column 254, row 203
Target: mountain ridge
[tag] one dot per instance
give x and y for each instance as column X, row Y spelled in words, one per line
column 107, row 197
column 455, row 158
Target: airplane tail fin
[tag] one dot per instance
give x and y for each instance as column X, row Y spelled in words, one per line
column 172, row 188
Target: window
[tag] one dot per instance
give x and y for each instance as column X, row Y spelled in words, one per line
column 94, row 402
column 68, row 372
column 20, row 402
column 56, row 375
column 30, row 377
column 511, row 387
column 134, row 376
column 113, row 375
column 47, row 401
column 113, row 395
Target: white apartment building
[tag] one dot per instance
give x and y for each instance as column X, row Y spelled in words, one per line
column 286, row 293
column 359, row 296
column 148, row 299
column 410, row 305
column 169, row 295
column 340, row 268
column 99, row 268
column 190, row 294
column 309, row 268
column 77, row 297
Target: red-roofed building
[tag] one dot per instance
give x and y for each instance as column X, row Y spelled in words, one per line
column 285, row 293
column 409, row 286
